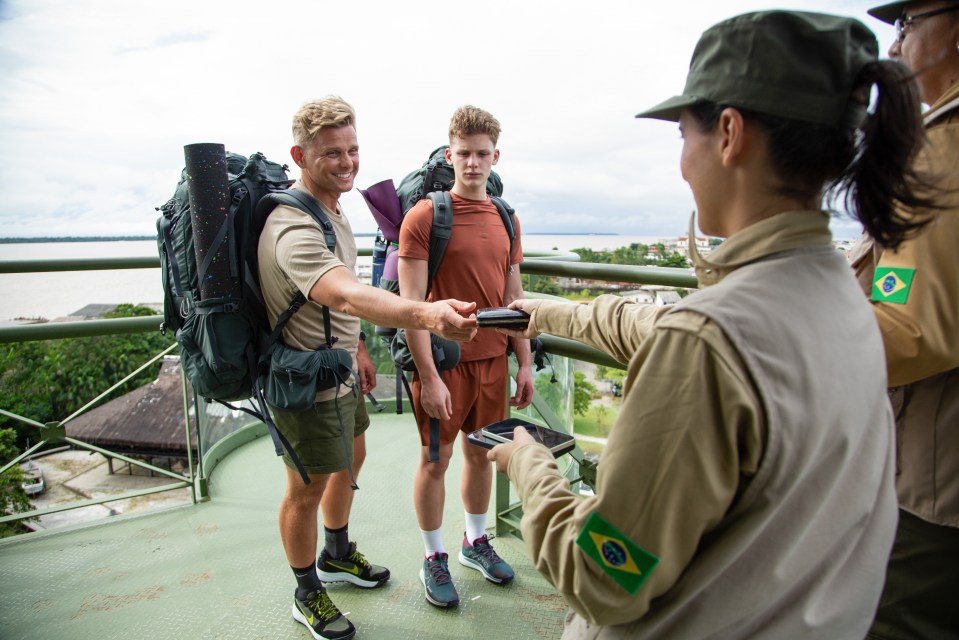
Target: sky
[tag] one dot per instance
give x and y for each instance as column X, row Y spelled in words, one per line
column 98, row 99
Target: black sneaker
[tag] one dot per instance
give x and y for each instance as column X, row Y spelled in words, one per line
column 436, row 579
column 481, row 556
column 353, row 568
column 318, row 613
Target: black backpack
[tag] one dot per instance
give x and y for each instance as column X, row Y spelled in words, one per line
column 434, row 180
column 225, row 337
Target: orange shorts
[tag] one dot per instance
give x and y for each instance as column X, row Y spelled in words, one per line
column 478, row 390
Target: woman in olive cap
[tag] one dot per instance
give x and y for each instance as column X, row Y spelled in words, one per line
column 920, row 328
column 747, row 488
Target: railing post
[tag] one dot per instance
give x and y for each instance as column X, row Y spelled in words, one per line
column 201, row 490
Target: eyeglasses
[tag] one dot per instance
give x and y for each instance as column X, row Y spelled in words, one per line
column 904, row 22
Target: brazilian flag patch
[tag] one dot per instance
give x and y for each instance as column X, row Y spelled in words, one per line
column 623, row 560
column 892, row 284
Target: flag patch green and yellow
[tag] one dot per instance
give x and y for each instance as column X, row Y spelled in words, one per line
column 892, row 284
column 622, row 559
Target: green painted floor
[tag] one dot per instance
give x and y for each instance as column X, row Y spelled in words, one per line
column 217, row 570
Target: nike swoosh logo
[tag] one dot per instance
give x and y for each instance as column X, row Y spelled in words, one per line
column 355, row 569
column 309, row 619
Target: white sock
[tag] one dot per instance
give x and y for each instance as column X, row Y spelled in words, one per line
column 433, row 541
column 475, row 526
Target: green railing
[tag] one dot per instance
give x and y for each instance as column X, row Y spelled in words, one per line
column 552, row 264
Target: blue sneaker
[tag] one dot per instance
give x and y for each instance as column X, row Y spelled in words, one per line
column 482, row 557
column 436, row 579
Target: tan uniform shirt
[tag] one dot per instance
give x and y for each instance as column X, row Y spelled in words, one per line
column 921, row 336
column 293, row 256
column 689, row 446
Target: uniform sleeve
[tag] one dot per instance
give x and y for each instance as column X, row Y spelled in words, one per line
column 690, row 430
column 612, row 324
column 415, row 231
column 921, row 336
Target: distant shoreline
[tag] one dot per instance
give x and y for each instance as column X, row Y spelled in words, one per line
column 76, row 239
column 153, row 238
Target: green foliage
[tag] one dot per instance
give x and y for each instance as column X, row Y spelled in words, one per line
column 47, row 381
column 551, row 392
column 12, row 497
column 635, row 254
column 379, row 353
column 583, row 393
column 541, row 284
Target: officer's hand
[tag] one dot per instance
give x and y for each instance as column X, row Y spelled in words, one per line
column 529, row 306
column 501, row 453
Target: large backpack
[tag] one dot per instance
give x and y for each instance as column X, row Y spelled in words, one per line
column 226, row 340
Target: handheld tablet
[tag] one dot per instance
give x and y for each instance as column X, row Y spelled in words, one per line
column 491, row 435
column 502, row 317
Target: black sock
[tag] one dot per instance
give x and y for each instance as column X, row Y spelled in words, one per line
column 337, row 541
column 306, row 580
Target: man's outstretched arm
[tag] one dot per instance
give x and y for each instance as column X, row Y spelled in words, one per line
column 339, row 289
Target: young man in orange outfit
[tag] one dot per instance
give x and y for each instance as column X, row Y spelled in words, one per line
column 478, row 265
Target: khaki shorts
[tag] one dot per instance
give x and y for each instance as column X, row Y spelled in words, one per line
column 315, row 435
column 478, row 391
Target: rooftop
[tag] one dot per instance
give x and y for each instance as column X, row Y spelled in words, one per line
column 217, row 569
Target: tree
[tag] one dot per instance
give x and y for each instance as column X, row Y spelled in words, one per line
column 674, row 259
column 47, row 381
column 583, row 392
column 541, row 284
column 12, row 497
column 550, row 392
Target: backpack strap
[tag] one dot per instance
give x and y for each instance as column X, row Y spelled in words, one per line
column 305, row 202
column 507, row 213
column 440, row 233
column 442, row 229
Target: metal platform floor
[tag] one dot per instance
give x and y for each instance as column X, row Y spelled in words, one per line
column 217, row 569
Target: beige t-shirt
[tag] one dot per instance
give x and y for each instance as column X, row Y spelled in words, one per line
column 293, row 256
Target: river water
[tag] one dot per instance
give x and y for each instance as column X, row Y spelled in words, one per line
column 58, row 294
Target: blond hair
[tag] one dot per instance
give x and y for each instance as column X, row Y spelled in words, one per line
column 331, row 111
column 469, row 120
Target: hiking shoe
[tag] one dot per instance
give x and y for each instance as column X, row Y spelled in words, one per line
column 354, row 568
column 482, row 557
column 318, row 613
column 435, row 576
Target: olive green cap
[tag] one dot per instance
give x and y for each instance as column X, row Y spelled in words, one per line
column 891, row 12
column 888, row 13
column 791, row 64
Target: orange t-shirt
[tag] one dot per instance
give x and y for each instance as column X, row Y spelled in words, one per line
column 475, row 265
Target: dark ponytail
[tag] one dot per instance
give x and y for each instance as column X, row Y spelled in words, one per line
column 869, row 169
column 881, row 177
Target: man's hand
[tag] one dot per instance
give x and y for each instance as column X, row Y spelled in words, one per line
column 501, row 453
column 436, row 399
column 448, row 319
column 524, row 388
column 365, row 368
column 529, row 306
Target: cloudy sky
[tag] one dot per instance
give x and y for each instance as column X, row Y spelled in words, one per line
column 98, row 98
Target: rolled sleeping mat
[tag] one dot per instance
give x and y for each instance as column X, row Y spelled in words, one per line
column 209, row 188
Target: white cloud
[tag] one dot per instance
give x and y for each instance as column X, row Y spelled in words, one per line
column 98, row 98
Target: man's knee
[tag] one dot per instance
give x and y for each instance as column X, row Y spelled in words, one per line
column 435, row 469
column 301, row 494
